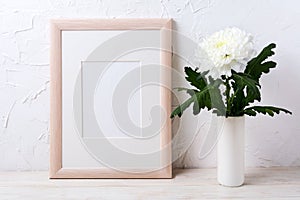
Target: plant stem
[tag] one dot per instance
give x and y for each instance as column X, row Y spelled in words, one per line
column 227, row 95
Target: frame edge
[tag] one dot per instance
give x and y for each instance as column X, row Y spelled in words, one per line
column 57, row 26
column 55, row 101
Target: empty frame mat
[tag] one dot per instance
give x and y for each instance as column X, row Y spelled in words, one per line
column 110, row 98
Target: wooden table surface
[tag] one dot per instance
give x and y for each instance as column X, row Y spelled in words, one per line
column 261, row 183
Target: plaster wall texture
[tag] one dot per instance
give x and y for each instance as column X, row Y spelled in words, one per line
column 24, row 72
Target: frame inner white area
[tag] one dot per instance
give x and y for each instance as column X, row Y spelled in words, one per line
column 98, row 102
column 77, row 46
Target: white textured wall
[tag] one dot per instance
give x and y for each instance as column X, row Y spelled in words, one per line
column 24, row 71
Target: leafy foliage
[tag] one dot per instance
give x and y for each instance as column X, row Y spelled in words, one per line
column 256, row 67
column 206, row 95
column 245, row 91
column 241, row 89
column 270, row 110
column 196, row 79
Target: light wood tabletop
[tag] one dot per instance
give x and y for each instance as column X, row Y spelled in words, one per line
column 261, row 183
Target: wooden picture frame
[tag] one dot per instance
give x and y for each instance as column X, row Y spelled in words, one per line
column 56, row 123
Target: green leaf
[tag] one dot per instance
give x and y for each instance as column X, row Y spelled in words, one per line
column 246, row 87
column 197, row 79
column 252, row 87
column 270, row 110
column 256, row 66
column 216, row 98
column 199, row 98
column 179, row 109
column 209, row 97
column 202, row 100
column 245, row 91
column 191, row 92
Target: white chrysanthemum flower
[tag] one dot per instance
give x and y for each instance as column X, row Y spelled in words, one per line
column 225, row 50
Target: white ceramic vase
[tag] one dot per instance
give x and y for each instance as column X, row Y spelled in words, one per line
column 231, row 147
